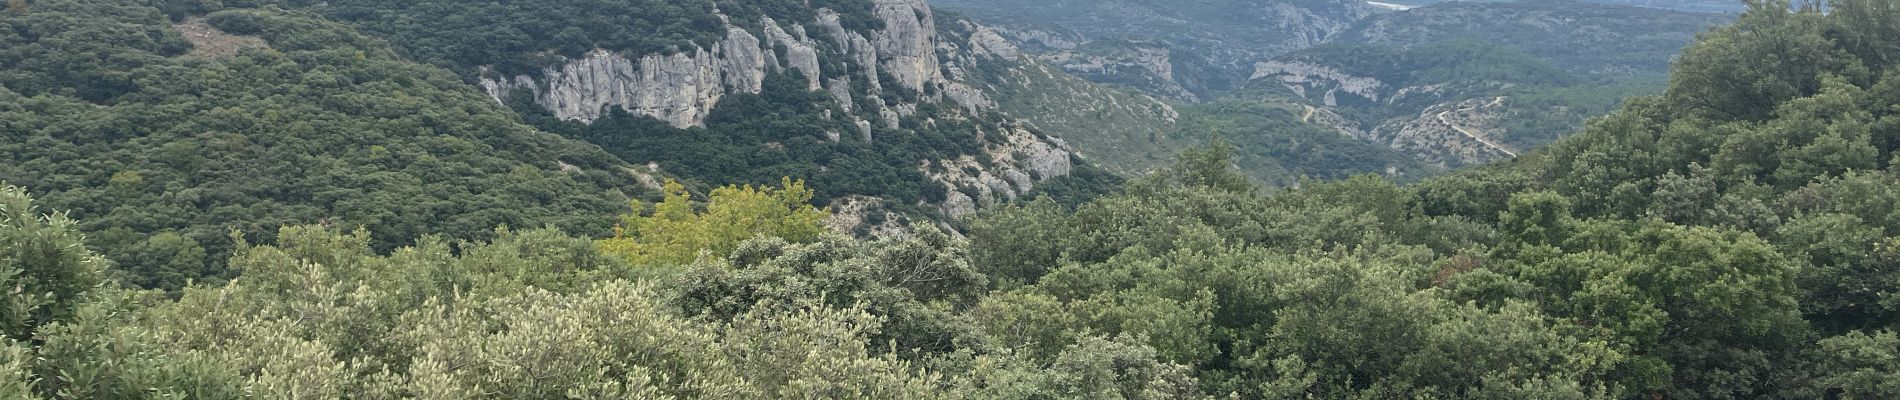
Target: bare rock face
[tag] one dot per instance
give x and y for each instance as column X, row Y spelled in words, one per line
column 1309, row 80
column 801, row 52
column 681, row 88
column 1034, row 155
column 954, row 56
column 906, row 47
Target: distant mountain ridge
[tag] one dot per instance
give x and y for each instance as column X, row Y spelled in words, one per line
column 1450, row 85
column 1701, row 6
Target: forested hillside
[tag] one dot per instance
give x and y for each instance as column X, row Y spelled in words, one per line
column 167, row 126
column 167, row 149
column 859, row 97
column 1734, row 237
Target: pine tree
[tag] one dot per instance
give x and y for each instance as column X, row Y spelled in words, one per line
column 17, row 6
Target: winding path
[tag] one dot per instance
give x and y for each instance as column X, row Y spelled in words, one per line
column 1480, row 139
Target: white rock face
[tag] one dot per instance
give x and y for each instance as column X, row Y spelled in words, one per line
column 1304, row 78
column 741, row 61
column 840, row 90
column 801, row 52
column 907, row 46
column 681, row 88
column 1042, row 158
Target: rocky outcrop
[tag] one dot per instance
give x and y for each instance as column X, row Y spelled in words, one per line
column 1150, row 64
column 801, row 52
column 1309, row 80
column 967, row 96
column 1455, row 134
column 956, row 56
column 679, row 88
column 682, row 87
column 906, row 47
column 1016, row 166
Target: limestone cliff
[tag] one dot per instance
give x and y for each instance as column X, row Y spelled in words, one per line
column 1319, row 82
column 880, row 77
column 682, row 87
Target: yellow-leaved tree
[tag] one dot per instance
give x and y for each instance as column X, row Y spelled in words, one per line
column 675, row 234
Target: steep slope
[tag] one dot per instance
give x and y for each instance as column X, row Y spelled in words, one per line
column 1133, row 134
column 849, row 94
column 1182, row 50
column 1120, row 130
column 1737, row 237
column 170, row 139
column 881, row 105
column 1459, row 84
